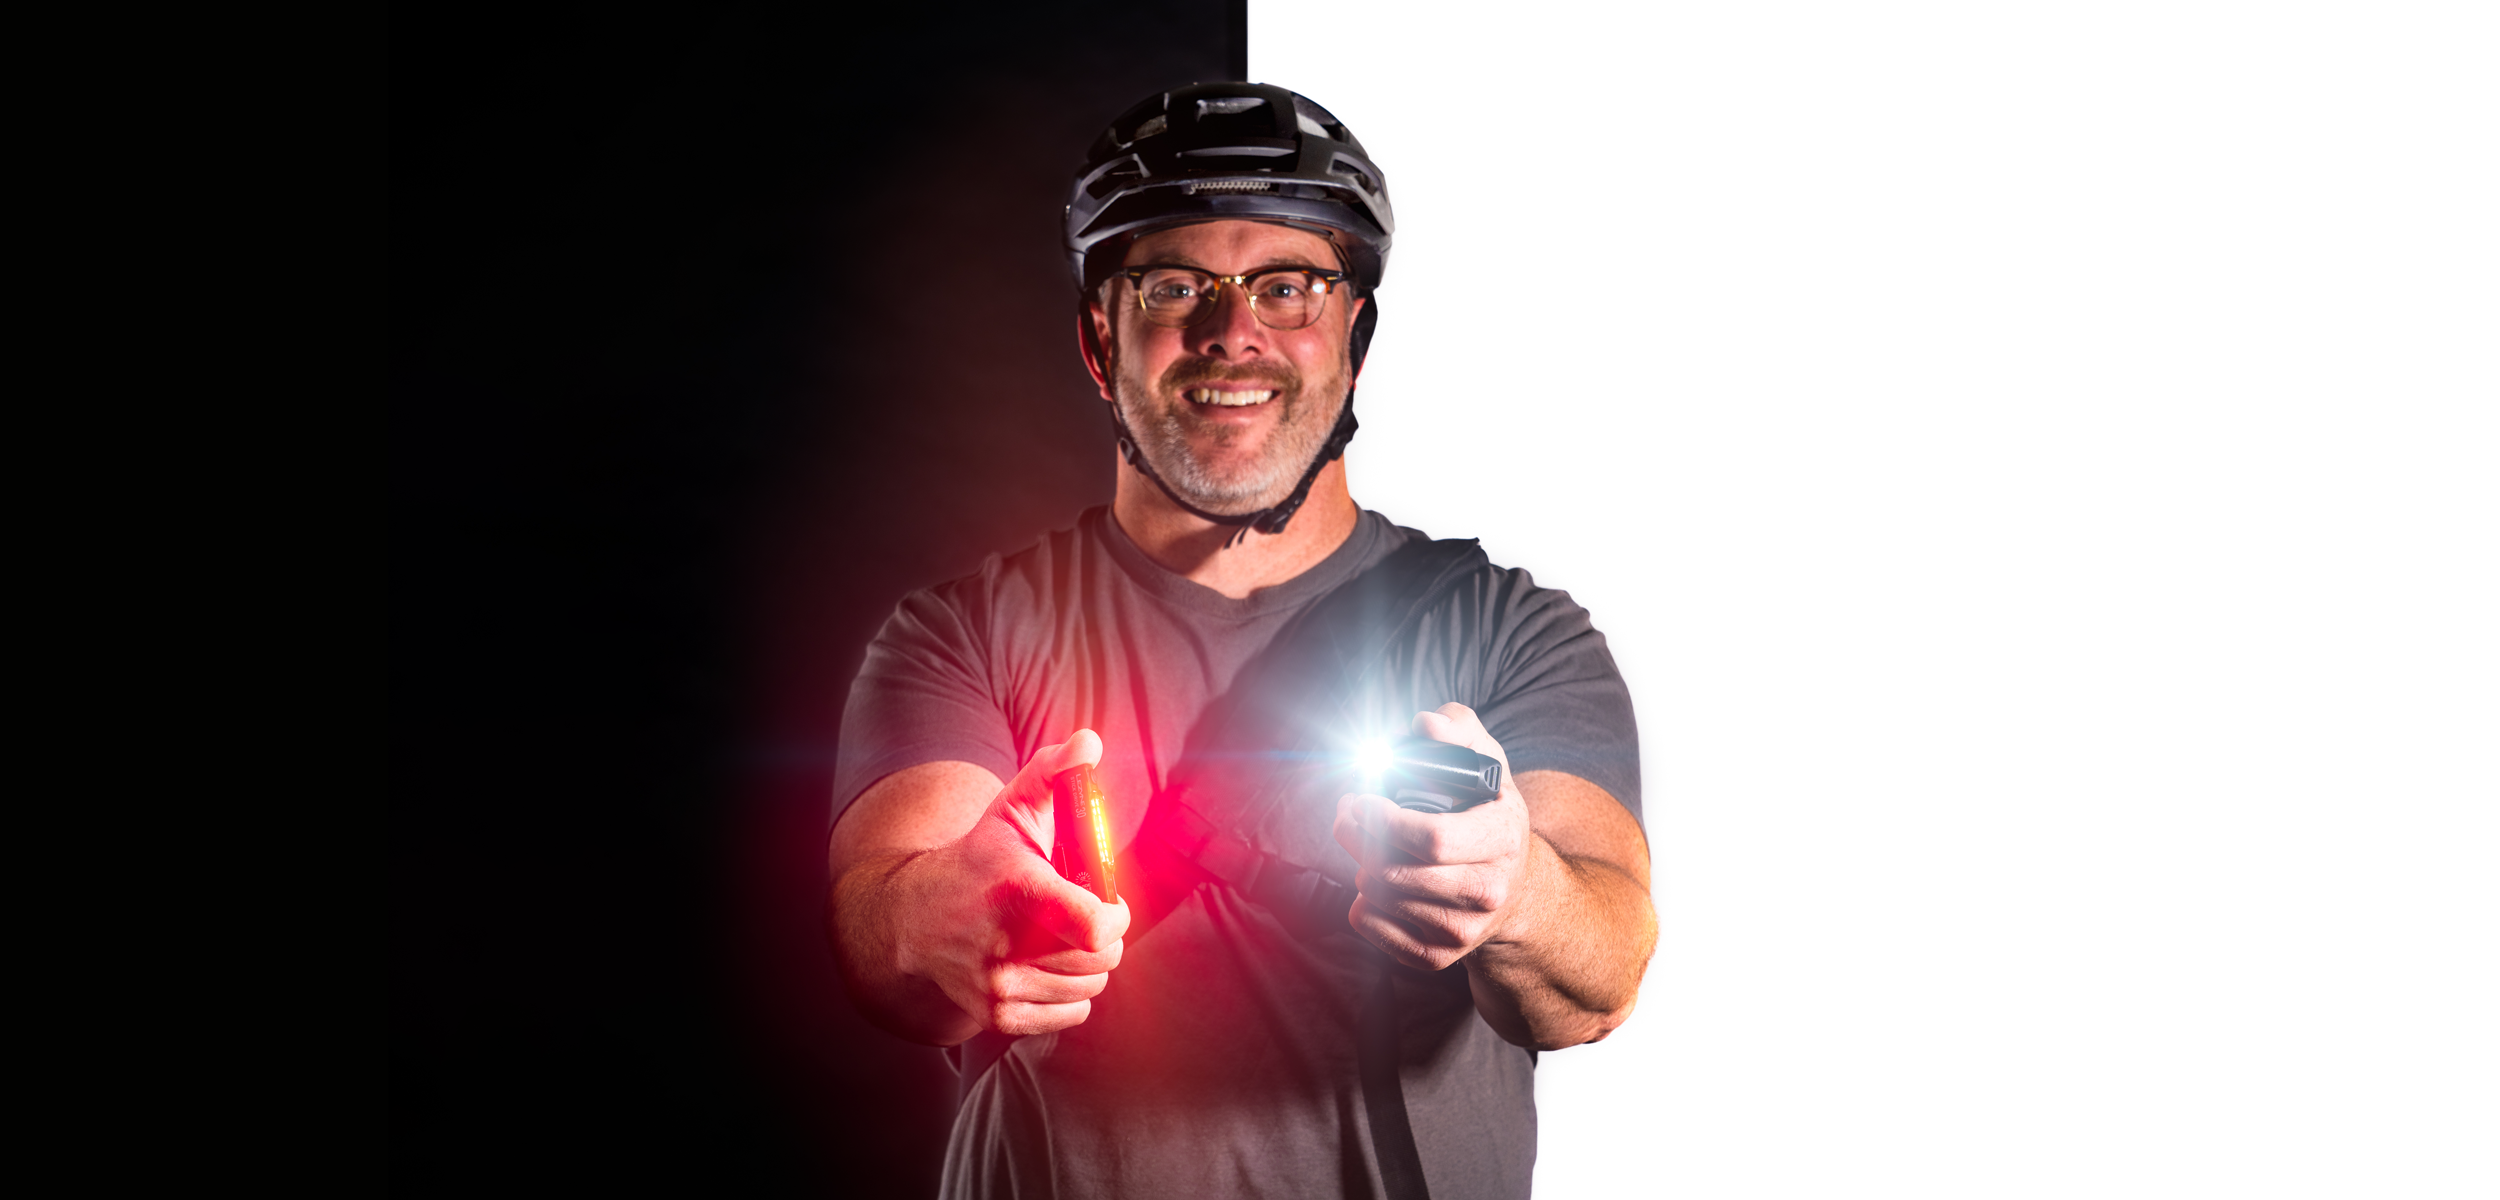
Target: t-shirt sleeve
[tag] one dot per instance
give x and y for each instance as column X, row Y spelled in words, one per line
column 923, row 695
column 1555, row 700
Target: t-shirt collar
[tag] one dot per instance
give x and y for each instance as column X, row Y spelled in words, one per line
column 1360, row 549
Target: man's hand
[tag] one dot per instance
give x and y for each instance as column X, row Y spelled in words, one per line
column 974, row 932
column 1436, row 885
column 1543, row 893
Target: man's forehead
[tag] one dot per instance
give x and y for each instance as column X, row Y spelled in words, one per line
column 1231, row 245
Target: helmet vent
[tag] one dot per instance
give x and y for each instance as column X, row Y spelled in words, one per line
column 1214, row 186
column 1362, row 178
column 1118, row 175
column 1236, row 152
column 1149, row 127
column 1228, row 105
column 1313, row 119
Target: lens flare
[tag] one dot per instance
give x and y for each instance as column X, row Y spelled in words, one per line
column 1372, row 757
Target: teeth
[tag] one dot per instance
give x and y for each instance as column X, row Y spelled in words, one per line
column 1229, row 399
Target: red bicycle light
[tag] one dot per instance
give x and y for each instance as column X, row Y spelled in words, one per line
column 1080, row 843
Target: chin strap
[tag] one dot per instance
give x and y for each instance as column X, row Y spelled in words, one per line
column 1271, row 520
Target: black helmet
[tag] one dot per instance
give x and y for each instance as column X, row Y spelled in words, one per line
column 1212, row 151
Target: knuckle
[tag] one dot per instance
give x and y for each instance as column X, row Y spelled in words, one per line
column 1433, row 925
column 997, row 981
column 1429, row 958
column 1484, row 895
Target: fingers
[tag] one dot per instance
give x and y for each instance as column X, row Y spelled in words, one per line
column 1017, row 999
column 1047, row 981
column 1053, row 968
column 1402, row 940
column 1487, row 832
column 1389, row 872
column 1070, row 913
column 1022, row 983
column 1430, row 923
column 1062, row 959
column 1348, row 829
column 1028, row 1020
column 1432, row 887
column 1452, row 897
column 1053, row 950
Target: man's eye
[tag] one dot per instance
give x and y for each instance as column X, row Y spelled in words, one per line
column 1282, row 289
column 1173, row 291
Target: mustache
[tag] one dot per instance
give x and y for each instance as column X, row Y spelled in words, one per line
column 1207, row 372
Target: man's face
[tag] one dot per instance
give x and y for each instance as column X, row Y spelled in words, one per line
column 1228, row 411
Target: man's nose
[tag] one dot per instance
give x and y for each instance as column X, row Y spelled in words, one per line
column 1231, row 330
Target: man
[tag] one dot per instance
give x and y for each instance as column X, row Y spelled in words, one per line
column 1302, row 989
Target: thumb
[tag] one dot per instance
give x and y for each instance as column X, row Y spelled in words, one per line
column 1025, row 803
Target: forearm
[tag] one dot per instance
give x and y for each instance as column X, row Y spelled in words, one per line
column 862, row 911
column 1566, row 967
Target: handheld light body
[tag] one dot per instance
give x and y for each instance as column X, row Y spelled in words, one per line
column 1080, row 843
column 1437, row 777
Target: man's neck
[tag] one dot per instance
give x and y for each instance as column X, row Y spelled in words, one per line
column 1195, row 548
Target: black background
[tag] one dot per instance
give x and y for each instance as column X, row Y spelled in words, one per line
column 713, row 330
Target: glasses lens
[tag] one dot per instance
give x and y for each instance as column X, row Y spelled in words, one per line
column 1173, row 296
column 1288, row 299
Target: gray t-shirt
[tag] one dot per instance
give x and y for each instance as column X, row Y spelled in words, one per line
column 1220, row 1060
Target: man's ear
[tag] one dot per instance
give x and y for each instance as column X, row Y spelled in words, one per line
column 1093, row 332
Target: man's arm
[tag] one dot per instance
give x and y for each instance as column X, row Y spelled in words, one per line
column 1543, row 893
column 946, row 914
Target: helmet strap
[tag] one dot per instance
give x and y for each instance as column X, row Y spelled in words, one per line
column 1270, row 520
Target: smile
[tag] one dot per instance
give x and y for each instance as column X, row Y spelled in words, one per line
column 1223, row 399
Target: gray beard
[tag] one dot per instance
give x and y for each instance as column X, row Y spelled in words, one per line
column 1162, row 427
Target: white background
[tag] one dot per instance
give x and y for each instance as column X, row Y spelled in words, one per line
column 2035, row 465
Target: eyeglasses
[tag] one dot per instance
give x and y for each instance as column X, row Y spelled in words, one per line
column 1285, row 298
